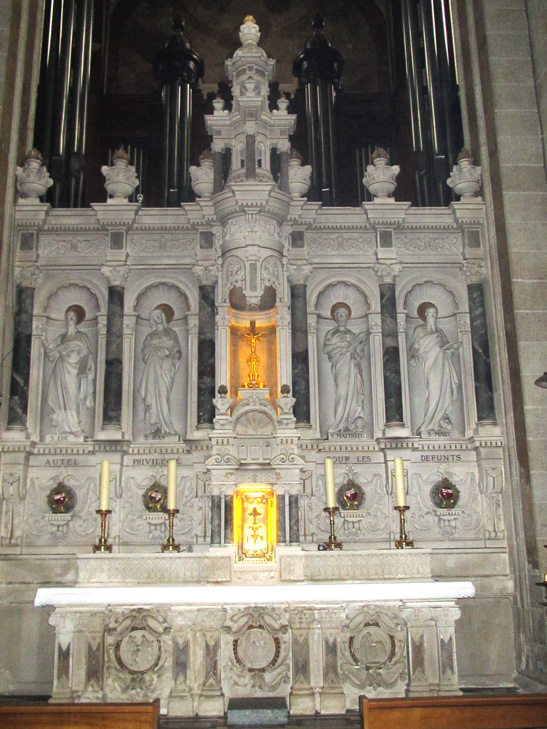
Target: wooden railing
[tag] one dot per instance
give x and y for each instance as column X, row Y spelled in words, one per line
column 517, row 711
column 79, row 716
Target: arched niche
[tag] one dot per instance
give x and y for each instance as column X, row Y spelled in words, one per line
column 344, row 379
column 70, row 364
column 161, row 366
column 434, row 361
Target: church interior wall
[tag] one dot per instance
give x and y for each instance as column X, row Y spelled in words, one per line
column 509, row 135
column 480, row 542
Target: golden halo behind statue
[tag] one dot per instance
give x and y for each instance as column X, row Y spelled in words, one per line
column 78, row 310
column 340, row 305
column 168, row 312
column 423, row 307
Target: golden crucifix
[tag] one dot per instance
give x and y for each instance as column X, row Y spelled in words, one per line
column 253, row 335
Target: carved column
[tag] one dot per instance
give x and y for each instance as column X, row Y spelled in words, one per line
column 64, row 656
column 393, row 396
column 216, row 520
column 223, row 339
column 307, row 678
column 482, row 367
column 422, row 650
column 218, row 166
column 332, row 696
column 298, row 276
column 319, row 69
column 26, row 279
column 206, row 669
column 12, row 497
column 445, row 619
column 378, row 412
column 283, row 149
column 207, row 277
column 178, row 69
column 281, row 519
column 113, row 373
column 294, row 519
column 250, row 151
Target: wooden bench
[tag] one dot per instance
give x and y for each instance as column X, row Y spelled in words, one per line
column 80, row 716
column 517, row 711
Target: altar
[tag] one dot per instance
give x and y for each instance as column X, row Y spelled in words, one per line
column 228, row 348
column 318, row 643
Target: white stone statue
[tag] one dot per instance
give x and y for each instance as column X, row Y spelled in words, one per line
column 161, row 353
column 346, row 351
column 71, row 385
column 431, row 348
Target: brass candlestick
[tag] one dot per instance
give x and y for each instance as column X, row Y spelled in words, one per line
column 333, row 543
column 170, row 545
column 403, row 540
column 102, row 545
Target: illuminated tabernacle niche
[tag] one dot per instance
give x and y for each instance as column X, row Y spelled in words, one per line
column 255, row 523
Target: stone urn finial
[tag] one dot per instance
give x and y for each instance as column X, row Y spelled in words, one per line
column 202, row 177
column 282, row 104
column 33, row 180
column 465, row 178
column 299, row 175
column 249, row 32
column 121, row 178
column 380, row 176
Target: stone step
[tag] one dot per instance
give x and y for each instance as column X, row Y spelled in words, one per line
column 257, row 711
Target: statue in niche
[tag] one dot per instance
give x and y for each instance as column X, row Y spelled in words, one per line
column 71, row 385
column 431, row 348
column 161, row 353
column 346, row 351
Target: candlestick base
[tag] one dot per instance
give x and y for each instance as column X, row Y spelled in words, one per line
column 332, row 542
column 170, row 545
column 403, row 540
column 102, row 545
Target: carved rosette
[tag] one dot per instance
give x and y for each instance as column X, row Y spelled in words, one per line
column 257, row 641
column 137, row 656
column 373, row 651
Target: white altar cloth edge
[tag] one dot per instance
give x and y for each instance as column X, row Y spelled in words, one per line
column 192, row 595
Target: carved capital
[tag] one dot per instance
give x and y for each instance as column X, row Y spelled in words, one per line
column 217, row 147
column 387, row 274
column 298, row 275
column 284, row 146
column 250, row 128
column 116, row 275
column 474, row 271
column 206, row 275
column 27, row 276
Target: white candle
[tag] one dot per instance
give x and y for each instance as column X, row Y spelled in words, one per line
column 104, row 485
column 172, row 483
column 329, row 483
column 398, row 465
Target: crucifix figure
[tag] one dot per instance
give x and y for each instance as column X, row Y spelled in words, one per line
column 253, row 336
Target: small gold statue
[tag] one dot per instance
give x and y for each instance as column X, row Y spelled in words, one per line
column 253, row 336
